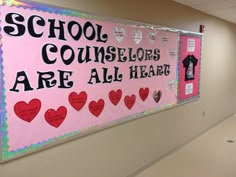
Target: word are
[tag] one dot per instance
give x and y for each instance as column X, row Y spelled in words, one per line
column 45, row 80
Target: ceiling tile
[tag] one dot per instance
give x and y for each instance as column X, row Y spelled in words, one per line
column 225, row 9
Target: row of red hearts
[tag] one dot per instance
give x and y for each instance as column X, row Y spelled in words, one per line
column 28, row 112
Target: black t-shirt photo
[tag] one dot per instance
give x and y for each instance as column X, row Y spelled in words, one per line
column 190, row 62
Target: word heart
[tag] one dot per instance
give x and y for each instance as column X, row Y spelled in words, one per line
column 119, row 34
column 96, row 108
column 55, row 118
column 115, row 96
column 77, row 101
column 143, row 93
column 27, row 112
column 129, row 101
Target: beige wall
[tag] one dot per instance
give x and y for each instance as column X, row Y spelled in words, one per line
column 124, row 149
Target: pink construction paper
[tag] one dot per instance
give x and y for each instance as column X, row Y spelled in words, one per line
column 24, row 54
column 183, row 54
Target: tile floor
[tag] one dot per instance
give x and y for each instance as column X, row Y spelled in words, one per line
column 213, row 154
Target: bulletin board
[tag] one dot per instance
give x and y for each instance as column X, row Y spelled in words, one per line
column 66, row 74
column 189, row 66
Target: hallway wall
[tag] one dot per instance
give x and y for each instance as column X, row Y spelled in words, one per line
column 122, row 150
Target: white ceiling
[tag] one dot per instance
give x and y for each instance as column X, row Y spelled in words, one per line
column 224, row 9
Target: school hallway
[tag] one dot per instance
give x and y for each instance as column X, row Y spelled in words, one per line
column 210, row 155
